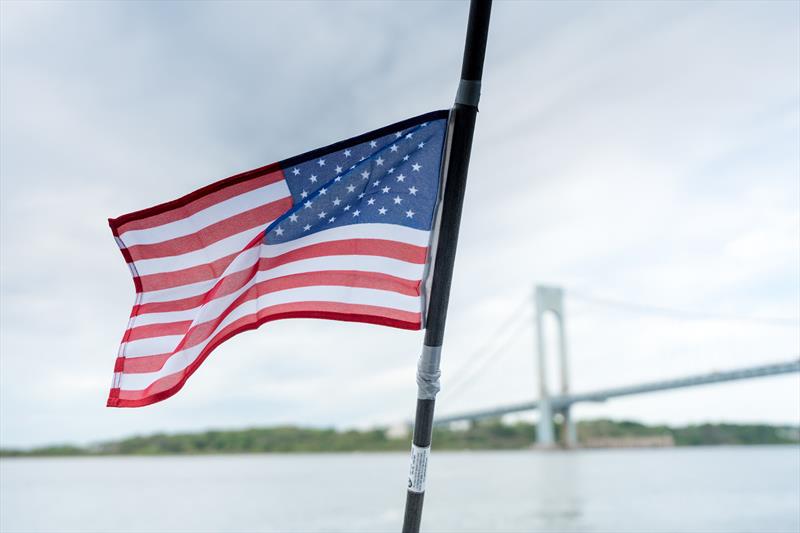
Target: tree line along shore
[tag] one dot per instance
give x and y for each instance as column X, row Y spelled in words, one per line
column 485, row 435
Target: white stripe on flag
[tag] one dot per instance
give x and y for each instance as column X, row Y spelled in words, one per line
column 389, row 232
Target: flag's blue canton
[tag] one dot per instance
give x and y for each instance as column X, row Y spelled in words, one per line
column 392, row 179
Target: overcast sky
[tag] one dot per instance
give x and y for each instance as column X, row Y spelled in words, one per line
column 643, row 152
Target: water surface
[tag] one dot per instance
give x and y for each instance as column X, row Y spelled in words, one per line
column 714, row 489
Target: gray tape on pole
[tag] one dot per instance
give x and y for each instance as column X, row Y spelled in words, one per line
column 469, row 92
column 428, row 373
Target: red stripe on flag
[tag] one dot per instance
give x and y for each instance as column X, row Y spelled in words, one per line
column 169, row 385
column 378, row 247
column 141, row 365
column 158, row 330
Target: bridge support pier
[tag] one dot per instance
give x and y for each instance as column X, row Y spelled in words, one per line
column 551, row 299
column 569, row 434
column 545, row 437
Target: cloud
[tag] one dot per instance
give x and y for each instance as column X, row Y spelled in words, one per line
column 644, row 152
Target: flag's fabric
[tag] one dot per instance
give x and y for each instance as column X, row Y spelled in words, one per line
column 342, row 232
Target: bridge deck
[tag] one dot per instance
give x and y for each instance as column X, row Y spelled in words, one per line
column 561, row 401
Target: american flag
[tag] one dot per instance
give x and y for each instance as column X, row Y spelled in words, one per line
column 342, row 233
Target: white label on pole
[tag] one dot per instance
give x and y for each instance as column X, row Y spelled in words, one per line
column 419, row 467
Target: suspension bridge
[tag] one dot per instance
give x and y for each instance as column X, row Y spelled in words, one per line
column 550, row 300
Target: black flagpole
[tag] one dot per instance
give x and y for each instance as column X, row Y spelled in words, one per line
column 461, row 129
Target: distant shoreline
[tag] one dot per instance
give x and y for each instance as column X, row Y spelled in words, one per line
column 388, row 452
column 488, row 435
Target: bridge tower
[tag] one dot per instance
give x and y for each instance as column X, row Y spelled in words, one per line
column 551, row 299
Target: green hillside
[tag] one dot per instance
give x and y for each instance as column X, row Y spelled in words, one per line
column 489, row 435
